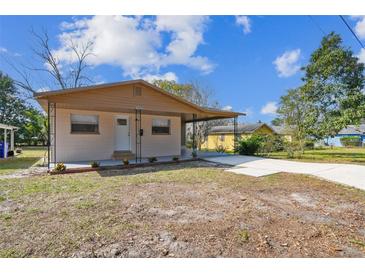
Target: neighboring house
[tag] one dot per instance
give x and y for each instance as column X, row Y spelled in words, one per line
column 283, row 132
column 223, row 136
column 119, row 120
column 350, row 130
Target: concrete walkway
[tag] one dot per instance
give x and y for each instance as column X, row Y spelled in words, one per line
column 352, row 175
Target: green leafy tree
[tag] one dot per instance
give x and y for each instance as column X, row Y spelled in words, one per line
column 32, row 123
column 333, row 87
column 276, row 121
column 294, row 112
column 12, row 108
column 192, row 92
column 35, row 127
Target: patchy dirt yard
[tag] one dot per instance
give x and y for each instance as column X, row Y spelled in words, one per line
column 179, row 210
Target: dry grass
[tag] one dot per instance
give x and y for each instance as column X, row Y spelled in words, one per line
column 30, row 156
column 328, row 155
column 179, row 210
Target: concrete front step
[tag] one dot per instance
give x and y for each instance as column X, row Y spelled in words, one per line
column 123, row 154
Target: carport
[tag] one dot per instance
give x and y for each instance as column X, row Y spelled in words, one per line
column 7, row 129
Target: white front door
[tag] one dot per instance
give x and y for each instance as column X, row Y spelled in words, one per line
column 122, row 134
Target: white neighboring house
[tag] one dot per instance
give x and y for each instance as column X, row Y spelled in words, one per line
column 350, row 130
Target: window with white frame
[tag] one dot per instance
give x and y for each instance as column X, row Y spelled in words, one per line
column 161, row 126
column 86, row 124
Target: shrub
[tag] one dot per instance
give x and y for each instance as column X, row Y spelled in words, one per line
column 250, row 146
column 194, row 154
column 293, row 149
column 350, row 141
column 244, row 235
column 271, row 143
column 175, row 158
column 18, row 150
column 309, row 144
column 10, row 153
column 189, row 144
column 60, row 167
column 125, row 162
column 152, row 159
column 95, row 164
column 221, row 149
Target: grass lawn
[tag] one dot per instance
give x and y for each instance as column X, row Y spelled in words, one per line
column 334, row 155
column 179, row 210
column 29, row 157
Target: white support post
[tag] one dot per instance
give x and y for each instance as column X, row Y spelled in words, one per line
column 5, row 145
column 12, row 140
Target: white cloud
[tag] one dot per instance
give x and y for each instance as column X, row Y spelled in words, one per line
column 269, row 108
column 43, row 89
column 361, row 56
column 248, row 111
column 169, row 76
column 139, row 45
column 227, row 108
column 360, row 26
column 3, row 49
column 245, row 22
column 287, row 64
column 187, row 35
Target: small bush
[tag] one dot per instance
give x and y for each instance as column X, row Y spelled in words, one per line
column 125, row 162
column 293, row 149
column 189, row 144
column 309, row 144
column 244, row 235
column 350, row 141
column 152, row 159
column 95, row 164
column 271, row 143
column 18, row 150
column 221, row 149
column 194, row 154
column 250, row 146
column 175, row 158
column 60, row 167
column 10, row 153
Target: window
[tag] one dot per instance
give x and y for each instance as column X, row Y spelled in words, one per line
column 221, row 138
column 122, row 122
column 84, row 124
column 160, row 127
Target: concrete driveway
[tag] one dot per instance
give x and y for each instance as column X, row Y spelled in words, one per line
column 352, row 175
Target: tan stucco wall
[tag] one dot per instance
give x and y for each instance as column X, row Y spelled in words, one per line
column 88, row 147
column 160, row 145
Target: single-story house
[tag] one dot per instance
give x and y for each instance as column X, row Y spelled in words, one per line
column 223, row 136
column 131, row 119
column 284, row 132
column 350, row 130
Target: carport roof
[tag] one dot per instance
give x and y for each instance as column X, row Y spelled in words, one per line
column 3, row 126
column 352, row 129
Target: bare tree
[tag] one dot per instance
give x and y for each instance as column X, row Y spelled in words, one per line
column 64, row 75
column 198, row 94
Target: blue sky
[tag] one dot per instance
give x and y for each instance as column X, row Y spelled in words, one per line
column 248, row 62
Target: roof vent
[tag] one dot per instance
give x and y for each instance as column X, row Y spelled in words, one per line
column 137, row 91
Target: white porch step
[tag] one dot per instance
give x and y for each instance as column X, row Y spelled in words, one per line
column 122, row 154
